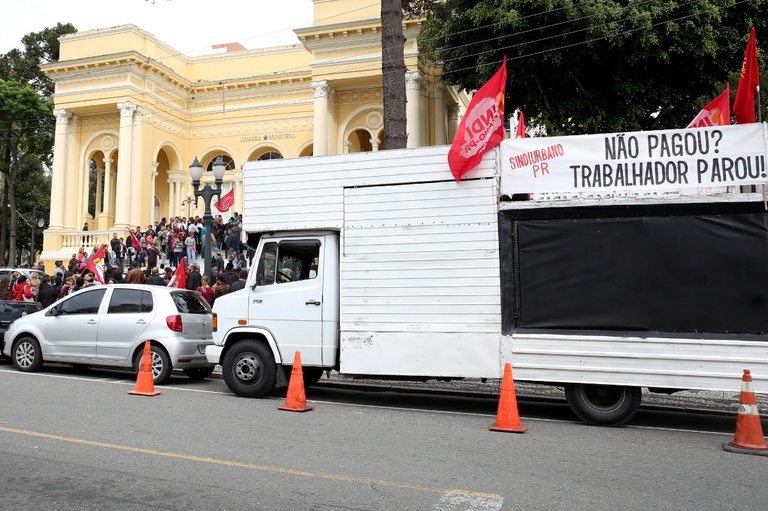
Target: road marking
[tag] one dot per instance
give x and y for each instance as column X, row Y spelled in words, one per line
column 264, row 468
column 453, row 502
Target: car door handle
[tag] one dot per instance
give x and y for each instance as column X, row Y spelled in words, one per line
column 256, row 301
column 141, row 322
column 312, row 302
column 91, row 321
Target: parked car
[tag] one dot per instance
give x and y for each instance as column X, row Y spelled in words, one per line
column 29, row 272
column 11, row 310
column 108, row 325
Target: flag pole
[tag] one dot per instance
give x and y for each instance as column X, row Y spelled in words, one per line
column 759, row 106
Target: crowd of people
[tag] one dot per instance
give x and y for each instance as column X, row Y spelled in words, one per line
column 150, row 256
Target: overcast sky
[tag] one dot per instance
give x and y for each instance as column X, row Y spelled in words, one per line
column 188, row 26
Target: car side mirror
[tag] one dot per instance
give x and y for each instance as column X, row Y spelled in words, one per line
column 53, row 311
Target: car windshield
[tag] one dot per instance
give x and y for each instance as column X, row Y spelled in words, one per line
column 190, row 303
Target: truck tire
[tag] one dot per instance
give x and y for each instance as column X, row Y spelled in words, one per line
column 249, row 369
column 311, row 375
column 603, row 405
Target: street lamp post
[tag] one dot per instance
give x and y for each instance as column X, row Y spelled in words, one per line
column 207, row 193
column 35, row 221
column 187, row 203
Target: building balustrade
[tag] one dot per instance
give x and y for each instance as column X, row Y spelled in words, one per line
column 74, row 240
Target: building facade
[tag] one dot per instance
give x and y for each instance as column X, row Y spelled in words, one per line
column 132, row 114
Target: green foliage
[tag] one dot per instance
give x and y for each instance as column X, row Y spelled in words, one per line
column 39, row 48
column 598, row 65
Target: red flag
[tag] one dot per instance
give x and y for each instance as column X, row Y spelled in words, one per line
column 135, row 241
column 744, row 106
column 96, row 264
column 716, row 113
column 179, row 278
column 482, row 127
column 520, row 126
column 226, row 202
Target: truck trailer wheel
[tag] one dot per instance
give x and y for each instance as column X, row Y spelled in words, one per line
column 603, row 405
column 249, row 369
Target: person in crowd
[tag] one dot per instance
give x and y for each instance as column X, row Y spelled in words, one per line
column 230, row 274
column 220, row 289
column 79, row 283
column 59, row 269
column 205, row 289
column 168, row 275
column 73, row 263
column 88, row 280
column 69, row 285
column 194, row 279
column 35, row 283
column 152, row 254
column 135, row 275
column 239, row 283
column 5, row 289
column 155, row 279
column 190, row 243
column 22, row 291
column 49, row 292
column 178, row 249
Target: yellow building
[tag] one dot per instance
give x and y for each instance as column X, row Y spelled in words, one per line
column 134, row 113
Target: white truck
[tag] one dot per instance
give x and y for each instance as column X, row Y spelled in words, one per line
column 381, row 265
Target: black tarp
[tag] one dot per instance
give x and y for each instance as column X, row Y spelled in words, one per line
column 682, row 272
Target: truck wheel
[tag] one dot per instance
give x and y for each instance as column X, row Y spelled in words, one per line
column 249, row 369
column 27, row 355
column 161, row 364
column 312, row 375
column 603, row 405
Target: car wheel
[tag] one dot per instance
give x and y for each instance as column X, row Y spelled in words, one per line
column 249, row 369
column 199, row 373
column 312, row 375
column 603, row 405
column 27, row 355
column 161, row 364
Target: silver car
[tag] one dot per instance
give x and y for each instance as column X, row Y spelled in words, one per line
column 108, row 326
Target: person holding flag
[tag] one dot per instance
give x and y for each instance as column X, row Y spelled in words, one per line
column 482, row 127
column 95, row 264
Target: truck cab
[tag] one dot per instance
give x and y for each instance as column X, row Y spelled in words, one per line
column 291, row 305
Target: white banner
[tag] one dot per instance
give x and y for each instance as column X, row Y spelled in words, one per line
column 644, row 160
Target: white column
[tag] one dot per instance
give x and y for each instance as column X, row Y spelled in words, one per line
column 375, row 144
column 171, row 200
column 453, row 121
column 320, row 133
column 125, row 148
column 152, row 192
column 413, row 81
column 59, row 170
column 108, row 195
column 71, row 211
column 237, row 184
column 99, row 209
column 138, row 185
column 347, row 146
column 441, row 133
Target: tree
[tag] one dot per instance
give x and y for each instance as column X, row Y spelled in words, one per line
column 26, row 134
column 39, row 48
column 393, row 74
column 26, row 122
column 597, row 66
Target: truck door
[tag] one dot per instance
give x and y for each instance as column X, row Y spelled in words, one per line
column 288, row 298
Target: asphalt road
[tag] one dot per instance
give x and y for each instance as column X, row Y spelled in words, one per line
column 77, row 440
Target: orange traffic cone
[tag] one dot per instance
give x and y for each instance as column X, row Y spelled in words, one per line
column 507, row 418
column 295, row 400
column 749, row 433
column 145, row 383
